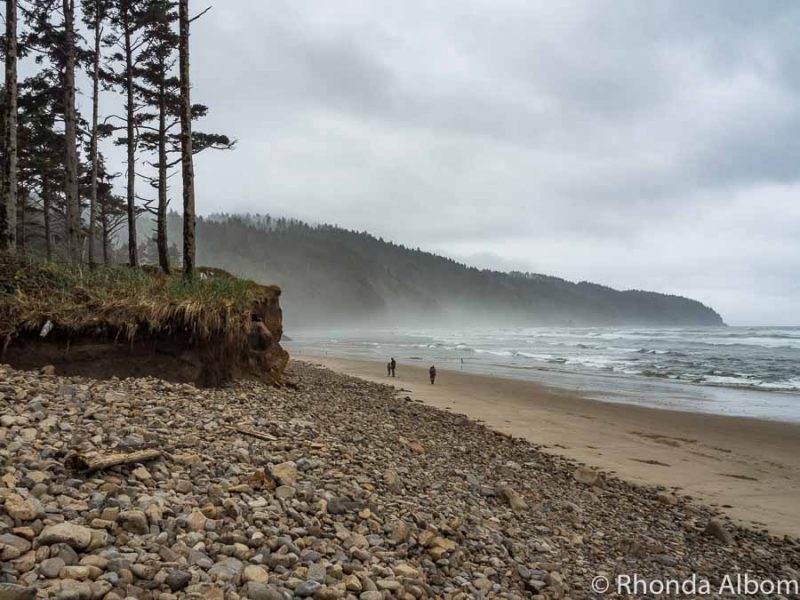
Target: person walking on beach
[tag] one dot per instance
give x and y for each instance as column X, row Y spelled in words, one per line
column 388, row 369
column 392, row 366
column 432, row 373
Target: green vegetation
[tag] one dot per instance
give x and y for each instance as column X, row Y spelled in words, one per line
column 123, row 302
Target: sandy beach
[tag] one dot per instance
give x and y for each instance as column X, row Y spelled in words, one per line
column 747, row 467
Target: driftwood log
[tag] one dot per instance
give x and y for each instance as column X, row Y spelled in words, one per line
column 252, row 433
column 95, row 461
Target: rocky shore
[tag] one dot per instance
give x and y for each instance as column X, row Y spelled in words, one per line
column 332, row 488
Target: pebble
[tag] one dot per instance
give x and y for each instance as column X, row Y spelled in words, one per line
column 177, row 580
column 76, row 536
column 717, row 529
column 10, row 591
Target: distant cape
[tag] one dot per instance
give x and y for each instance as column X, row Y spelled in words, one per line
column 335, row 277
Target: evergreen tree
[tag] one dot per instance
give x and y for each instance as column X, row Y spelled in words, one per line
column 96, row 15
column 187, row 162
column 160, row 91
column 128, row 18
column 69, row 48
column 58, row 52
column 112, row 210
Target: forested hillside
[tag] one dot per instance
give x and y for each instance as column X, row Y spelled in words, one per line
column 331, row 276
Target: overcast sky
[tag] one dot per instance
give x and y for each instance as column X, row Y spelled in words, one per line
column 651, row 145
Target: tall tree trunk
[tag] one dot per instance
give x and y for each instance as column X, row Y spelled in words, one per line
column 21, row 195
column 8, row 205
column 98, row 21
column 161, row 223
column 73, row 199
column 133, row 254
column 2, row 158
column 187, row 161
column 46, row 202
column 106, row 235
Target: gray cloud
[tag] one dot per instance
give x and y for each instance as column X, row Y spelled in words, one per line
column 648, row 145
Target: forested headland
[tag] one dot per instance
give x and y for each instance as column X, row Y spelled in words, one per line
column 331, row 276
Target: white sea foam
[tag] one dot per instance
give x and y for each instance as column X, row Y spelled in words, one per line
column 709, row 359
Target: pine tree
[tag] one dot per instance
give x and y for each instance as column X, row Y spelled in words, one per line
column 96, row 14
column 56, row 48
column 112, row 210
column 128, row 20
column 70, row 53
column 187, row 163
column 160, row 91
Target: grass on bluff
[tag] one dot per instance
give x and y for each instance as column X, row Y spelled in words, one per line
column 123, row 302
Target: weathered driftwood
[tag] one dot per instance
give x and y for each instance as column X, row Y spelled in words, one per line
column 96, row 461
column 252, row 433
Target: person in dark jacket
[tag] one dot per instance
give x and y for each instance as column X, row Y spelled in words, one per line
column 388, row 369
column 432, row 373
column 393, row 365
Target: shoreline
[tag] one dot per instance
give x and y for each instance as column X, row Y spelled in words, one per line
column 744, row 466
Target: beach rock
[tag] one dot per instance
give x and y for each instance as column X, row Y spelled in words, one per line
column 307, row 588
column 12, row 546
column 515, row 501
column 717, row 530
column 10, row 591
column 317, row 572
column 587, row 476
column 197, row 521
column 667, row 499
column 285, row 473
column 51, row 567
column 392, row 480
column 76, row 536
column 134, row 521
column 19, row 508
column 284, row 492
column 255, row 573
column 229, row 569
column 177, row 580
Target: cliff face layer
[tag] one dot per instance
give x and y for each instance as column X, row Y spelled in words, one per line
column 119, row 322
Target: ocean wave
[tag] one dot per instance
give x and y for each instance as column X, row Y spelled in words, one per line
column 765, row 359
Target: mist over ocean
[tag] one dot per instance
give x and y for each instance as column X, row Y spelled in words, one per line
column 739, row 371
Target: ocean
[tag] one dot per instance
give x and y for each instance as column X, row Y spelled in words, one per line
column 735, row 371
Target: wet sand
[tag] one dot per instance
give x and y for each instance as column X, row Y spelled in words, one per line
column 747, row 467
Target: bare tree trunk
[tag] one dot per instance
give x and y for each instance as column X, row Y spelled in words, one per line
column 21, row 220
column 73, row 199
column 187, row 162
column 133, row 254
column 8, row 206
column 2, row 158
column 98, row 19
column 46, row 201
column 106, row 236
column 161, row 224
